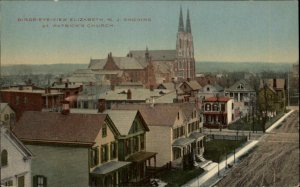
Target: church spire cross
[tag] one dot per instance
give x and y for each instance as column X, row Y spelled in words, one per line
column 188, row 22
column 181, row 25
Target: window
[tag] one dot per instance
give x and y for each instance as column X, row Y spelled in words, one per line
column 104, row 153
column 207, row 107
column 207, row 89
column 8, row 183
column 215, row 107
column 223, row 107
column 104, row 130
column 136, row 143
column 232, row 106
column 113, row 150
column 25, row 100
column 94, row 156
column 39, row 181
column 21, row 181
column 135, row 127
column 17, row 100
column 6, row 117
column 142, row 141
column 4, row 158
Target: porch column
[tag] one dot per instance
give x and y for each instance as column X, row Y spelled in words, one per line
column 239, row 97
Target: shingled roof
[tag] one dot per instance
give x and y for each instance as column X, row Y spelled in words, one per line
column 159, row 114
column 157, row 55
column 35, row 126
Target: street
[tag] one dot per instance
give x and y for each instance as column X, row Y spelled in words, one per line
column 275, row 161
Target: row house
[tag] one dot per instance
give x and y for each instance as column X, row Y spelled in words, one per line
column 21, row 99
column 15, row 160
column 84, row 144
column 244, row 98
column 175, row 130
column 131, row 140
column 218, row 112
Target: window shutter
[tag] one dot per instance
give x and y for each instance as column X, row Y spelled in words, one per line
column 35, row 181
column 97, row 156
column 45, row 181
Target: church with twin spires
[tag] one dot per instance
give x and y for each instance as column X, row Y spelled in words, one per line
column 152, row 67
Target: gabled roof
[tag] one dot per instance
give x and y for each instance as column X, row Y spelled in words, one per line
column 157, row 115
column 156, row 55
column 56, row 127
column 241, row 85
column 3, row 106
column 122, row 63
column 8, row 134
column 123, row 119
column 193, row 84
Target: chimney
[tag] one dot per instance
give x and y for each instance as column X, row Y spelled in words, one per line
column 128, row 94
column 151, row 87
column 101, row 105
column 65, row 107
column 112, row 87
column 188, row 79
column 66, row 85
column 274, row 83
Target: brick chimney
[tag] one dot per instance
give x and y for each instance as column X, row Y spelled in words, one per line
column 65, row 107
column 101, row 105
column 129, row 94
column 151, row 87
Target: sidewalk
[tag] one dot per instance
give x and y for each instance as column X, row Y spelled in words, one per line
column 205, row 179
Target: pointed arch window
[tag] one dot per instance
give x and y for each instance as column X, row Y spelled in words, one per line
column 4, row 158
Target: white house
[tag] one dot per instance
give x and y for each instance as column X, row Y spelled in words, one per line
column 15, row 161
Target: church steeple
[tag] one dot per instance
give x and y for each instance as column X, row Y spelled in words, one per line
column 181, row 25
column 188, row 23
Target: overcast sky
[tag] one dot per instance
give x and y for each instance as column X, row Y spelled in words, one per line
column 234, row 31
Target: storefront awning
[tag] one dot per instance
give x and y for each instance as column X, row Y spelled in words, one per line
column 183, row 142
column 196, row 135
column 109, row 167
column 141, row 156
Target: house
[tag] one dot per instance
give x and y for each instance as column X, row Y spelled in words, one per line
column 175, row 130
column 267, row 101
column 7, row 115
column 23, row 99
column 135, row 95
column 244, row 97
column 210, row 90
column 279, row 87
column 72, row 149
column 218, row 112
column 15, row 160
column 131, row 138
column 189, row 88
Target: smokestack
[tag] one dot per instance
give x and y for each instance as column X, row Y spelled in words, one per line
column 65, row 107
column 129, row 94
column 101, row 105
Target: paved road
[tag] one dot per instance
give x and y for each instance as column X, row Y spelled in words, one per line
column 275, row 162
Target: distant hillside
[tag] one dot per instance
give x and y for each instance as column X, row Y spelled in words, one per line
column 201, row 67
column 40, row 69
column 256, row 67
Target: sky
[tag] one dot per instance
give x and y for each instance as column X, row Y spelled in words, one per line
column 232, row 31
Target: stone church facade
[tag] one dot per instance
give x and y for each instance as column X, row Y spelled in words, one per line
column 152, row 67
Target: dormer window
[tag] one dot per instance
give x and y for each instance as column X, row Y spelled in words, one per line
column 241, row 86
